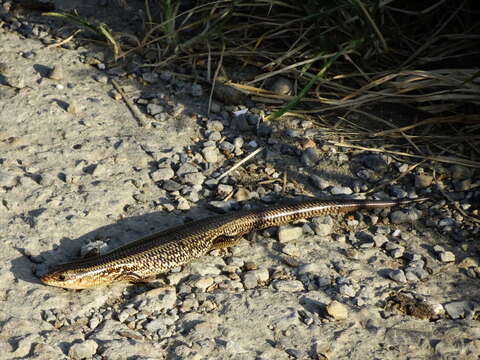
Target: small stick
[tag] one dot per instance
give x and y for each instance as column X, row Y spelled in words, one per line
column 240, row 163
column 135, row 112
column 64, row 41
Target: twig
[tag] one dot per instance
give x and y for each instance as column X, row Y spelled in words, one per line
column 445, row 159
column 64, row 41
column 240, row 163
column 135, row 112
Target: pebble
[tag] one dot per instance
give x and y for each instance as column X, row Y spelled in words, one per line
column 460, row 309
column 154, row 109
column 195, row 178
column 319, row 182
column 84, row 350
column 242, row 194
column 288, row 233
column 459, row 172
column 227, row 147
column 210, row 154
column 337, row 310
column 7, row 179
column 196, row 90
column 282, row 86
column 399, row 217
column 156, row 325
column 423, row 181
column 446, row 256
column 398, row 276
column 323, row 225
column 215, row 125
column 262, row 274
column 310, row 157
column 150, row 77
column 101, row 78
column 374, row 162
column 203, row 283
column 288, row 285
column 164, row 173
column 346, row 290
column 72, row 108
column 224, row 190
column 250, row 281
column 341, row 190
column 380, row 240
column 462, row 185
column 292, row 250
column 56, row 73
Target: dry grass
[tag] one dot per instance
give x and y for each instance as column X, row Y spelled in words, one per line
column 345, row 57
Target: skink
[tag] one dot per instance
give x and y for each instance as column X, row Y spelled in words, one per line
column 160, row 252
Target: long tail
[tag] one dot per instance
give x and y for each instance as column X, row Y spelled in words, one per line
column 285, row 213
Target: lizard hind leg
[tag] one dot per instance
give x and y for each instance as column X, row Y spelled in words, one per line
column 224, row 241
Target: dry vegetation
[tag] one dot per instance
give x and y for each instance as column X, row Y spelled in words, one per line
column 349, row 59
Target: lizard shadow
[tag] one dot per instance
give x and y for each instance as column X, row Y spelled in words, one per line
column 28, row 266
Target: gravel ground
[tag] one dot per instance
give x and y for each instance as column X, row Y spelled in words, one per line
column 78, row 171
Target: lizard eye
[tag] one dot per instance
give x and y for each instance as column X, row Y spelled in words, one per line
column 61, row 277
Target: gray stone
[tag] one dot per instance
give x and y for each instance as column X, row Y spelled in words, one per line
column 150, row 77
column 411, row 276
column 379, row 240
column 398, row 276
column 459, row 309
column 203, row 283
column 399, row 217
column 337, row 310
column 214, row 136
column 7, row 179
column 238, row 142
column 346, row 290
column 292, row 250
column 374, row 162
column 84, row 350
column 227, row 147
column 196, row 178
column 221, row 206
column 462, row 185
column 311, row 156
column 171, row 185
column 196, row 90
column 224, row 189
column 319, row 182
column 446, row 256
column 210, row 154
column 323, row 226
column 203, row 269
column 261, row 274
column 288, row 285
column 186, row 168
column 459, row 172
column 341, row 190
column 154, row 109
column 446, row 222
column 282, row 86
column 423, row 181
column 250, row 281
column 156, row 325
column 164, row 173
column 183, row 204
column 215, row 125
column 288, row 233
column 57, row 73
